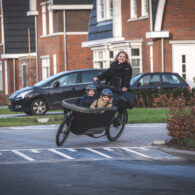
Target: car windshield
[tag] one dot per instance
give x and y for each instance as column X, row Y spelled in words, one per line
column 134, row 79
column 43, row 82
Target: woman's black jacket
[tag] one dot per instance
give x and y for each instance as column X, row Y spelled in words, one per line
column 118, row 75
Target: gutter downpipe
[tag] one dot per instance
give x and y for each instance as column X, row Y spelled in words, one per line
column 65, row 48
column 2, row 30
column 162, row 54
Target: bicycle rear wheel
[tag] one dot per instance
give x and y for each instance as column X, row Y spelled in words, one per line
column 62, row 133
column 115, row 130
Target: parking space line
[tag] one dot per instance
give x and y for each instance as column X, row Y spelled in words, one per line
column 138, row 153
column 23, row 155
column 71, row 149
column 97, row 152
column 34, row 151
column 61, row 154
column 143, row 148
column 108, row 149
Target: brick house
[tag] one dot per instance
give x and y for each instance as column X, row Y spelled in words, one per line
column 158, row 35
column 61, row 26
column 17, row 48
column 41, row 38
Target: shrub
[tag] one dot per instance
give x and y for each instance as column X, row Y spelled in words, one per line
column 181, row 120
column 159, row 98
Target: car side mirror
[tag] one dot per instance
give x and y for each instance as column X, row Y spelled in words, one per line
column 56, row 84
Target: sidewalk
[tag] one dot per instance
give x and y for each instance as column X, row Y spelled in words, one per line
column 4, row 106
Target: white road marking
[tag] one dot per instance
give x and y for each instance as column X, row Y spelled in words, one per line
column 100, row 153
column 34, row 151
column 61, row 154
column 138, row 153
column 23, row 155
column 143, row 148
column 71, row 149
column 108, row 149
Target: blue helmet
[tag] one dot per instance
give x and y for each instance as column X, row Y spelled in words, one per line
column 91, row 87
column 106, row 92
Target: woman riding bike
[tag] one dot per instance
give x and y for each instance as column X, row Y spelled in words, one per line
column 119, row 75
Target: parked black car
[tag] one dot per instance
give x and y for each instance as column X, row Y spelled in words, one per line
column 158, row 80
column 48, row 94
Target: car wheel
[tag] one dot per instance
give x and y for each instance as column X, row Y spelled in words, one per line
column 38, row 107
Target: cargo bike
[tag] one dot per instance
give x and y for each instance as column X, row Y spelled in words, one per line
column 93, row 122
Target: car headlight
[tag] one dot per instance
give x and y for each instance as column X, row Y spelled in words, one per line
column 22, row 95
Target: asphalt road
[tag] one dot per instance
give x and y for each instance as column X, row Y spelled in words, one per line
column 31, row 163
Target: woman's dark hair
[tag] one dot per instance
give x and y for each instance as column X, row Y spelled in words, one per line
column 127, row 57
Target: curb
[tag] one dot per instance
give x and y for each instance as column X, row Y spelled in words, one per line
column 189, row 155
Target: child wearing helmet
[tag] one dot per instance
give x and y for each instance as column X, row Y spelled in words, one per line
column 105, row 99
column 89, row 97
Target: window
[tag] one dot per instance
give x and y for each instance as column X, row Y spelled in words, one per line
column 149, row 80
column 99, row 61
column 183, row 66
column 50, row 22
column 54, row 64
column 144, row 7
column 1, row 77
column 87, row 77
column 45, row 68
column 133, row 8
column 104, row 56
column 58, row 22
column 24, row 75
column 135, row 60
column 170, row 79
column 104, row 10
column 69, row 79
column 44, row 22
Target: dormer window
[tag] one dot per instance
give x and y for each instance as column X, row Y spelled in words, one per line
column 104, row 10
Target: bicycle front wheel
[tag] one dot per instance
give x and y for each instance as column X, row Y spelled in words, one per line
column 62, row 133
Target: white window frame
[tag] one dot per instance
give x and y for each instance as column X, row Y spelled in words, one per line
column 107, row 10
column 144, row 4
column 45, row 65
column 51, row 22
column 133, row 8
column 44, row 20
column 1, row 76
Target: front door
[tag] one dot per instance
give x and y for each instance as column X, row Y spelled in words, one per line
column 184, row 62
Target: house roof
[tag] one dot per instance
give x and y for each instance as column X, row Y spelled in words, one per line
column 72, row 2
column 99, row 30
column 16, row 24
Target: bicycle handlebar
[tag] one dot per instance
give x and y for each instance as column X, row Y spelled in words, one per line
column 111, row 87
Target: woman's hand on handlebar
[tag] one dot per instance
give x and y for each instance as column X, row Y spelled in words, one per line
column 95, row 79
column 124, row 89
